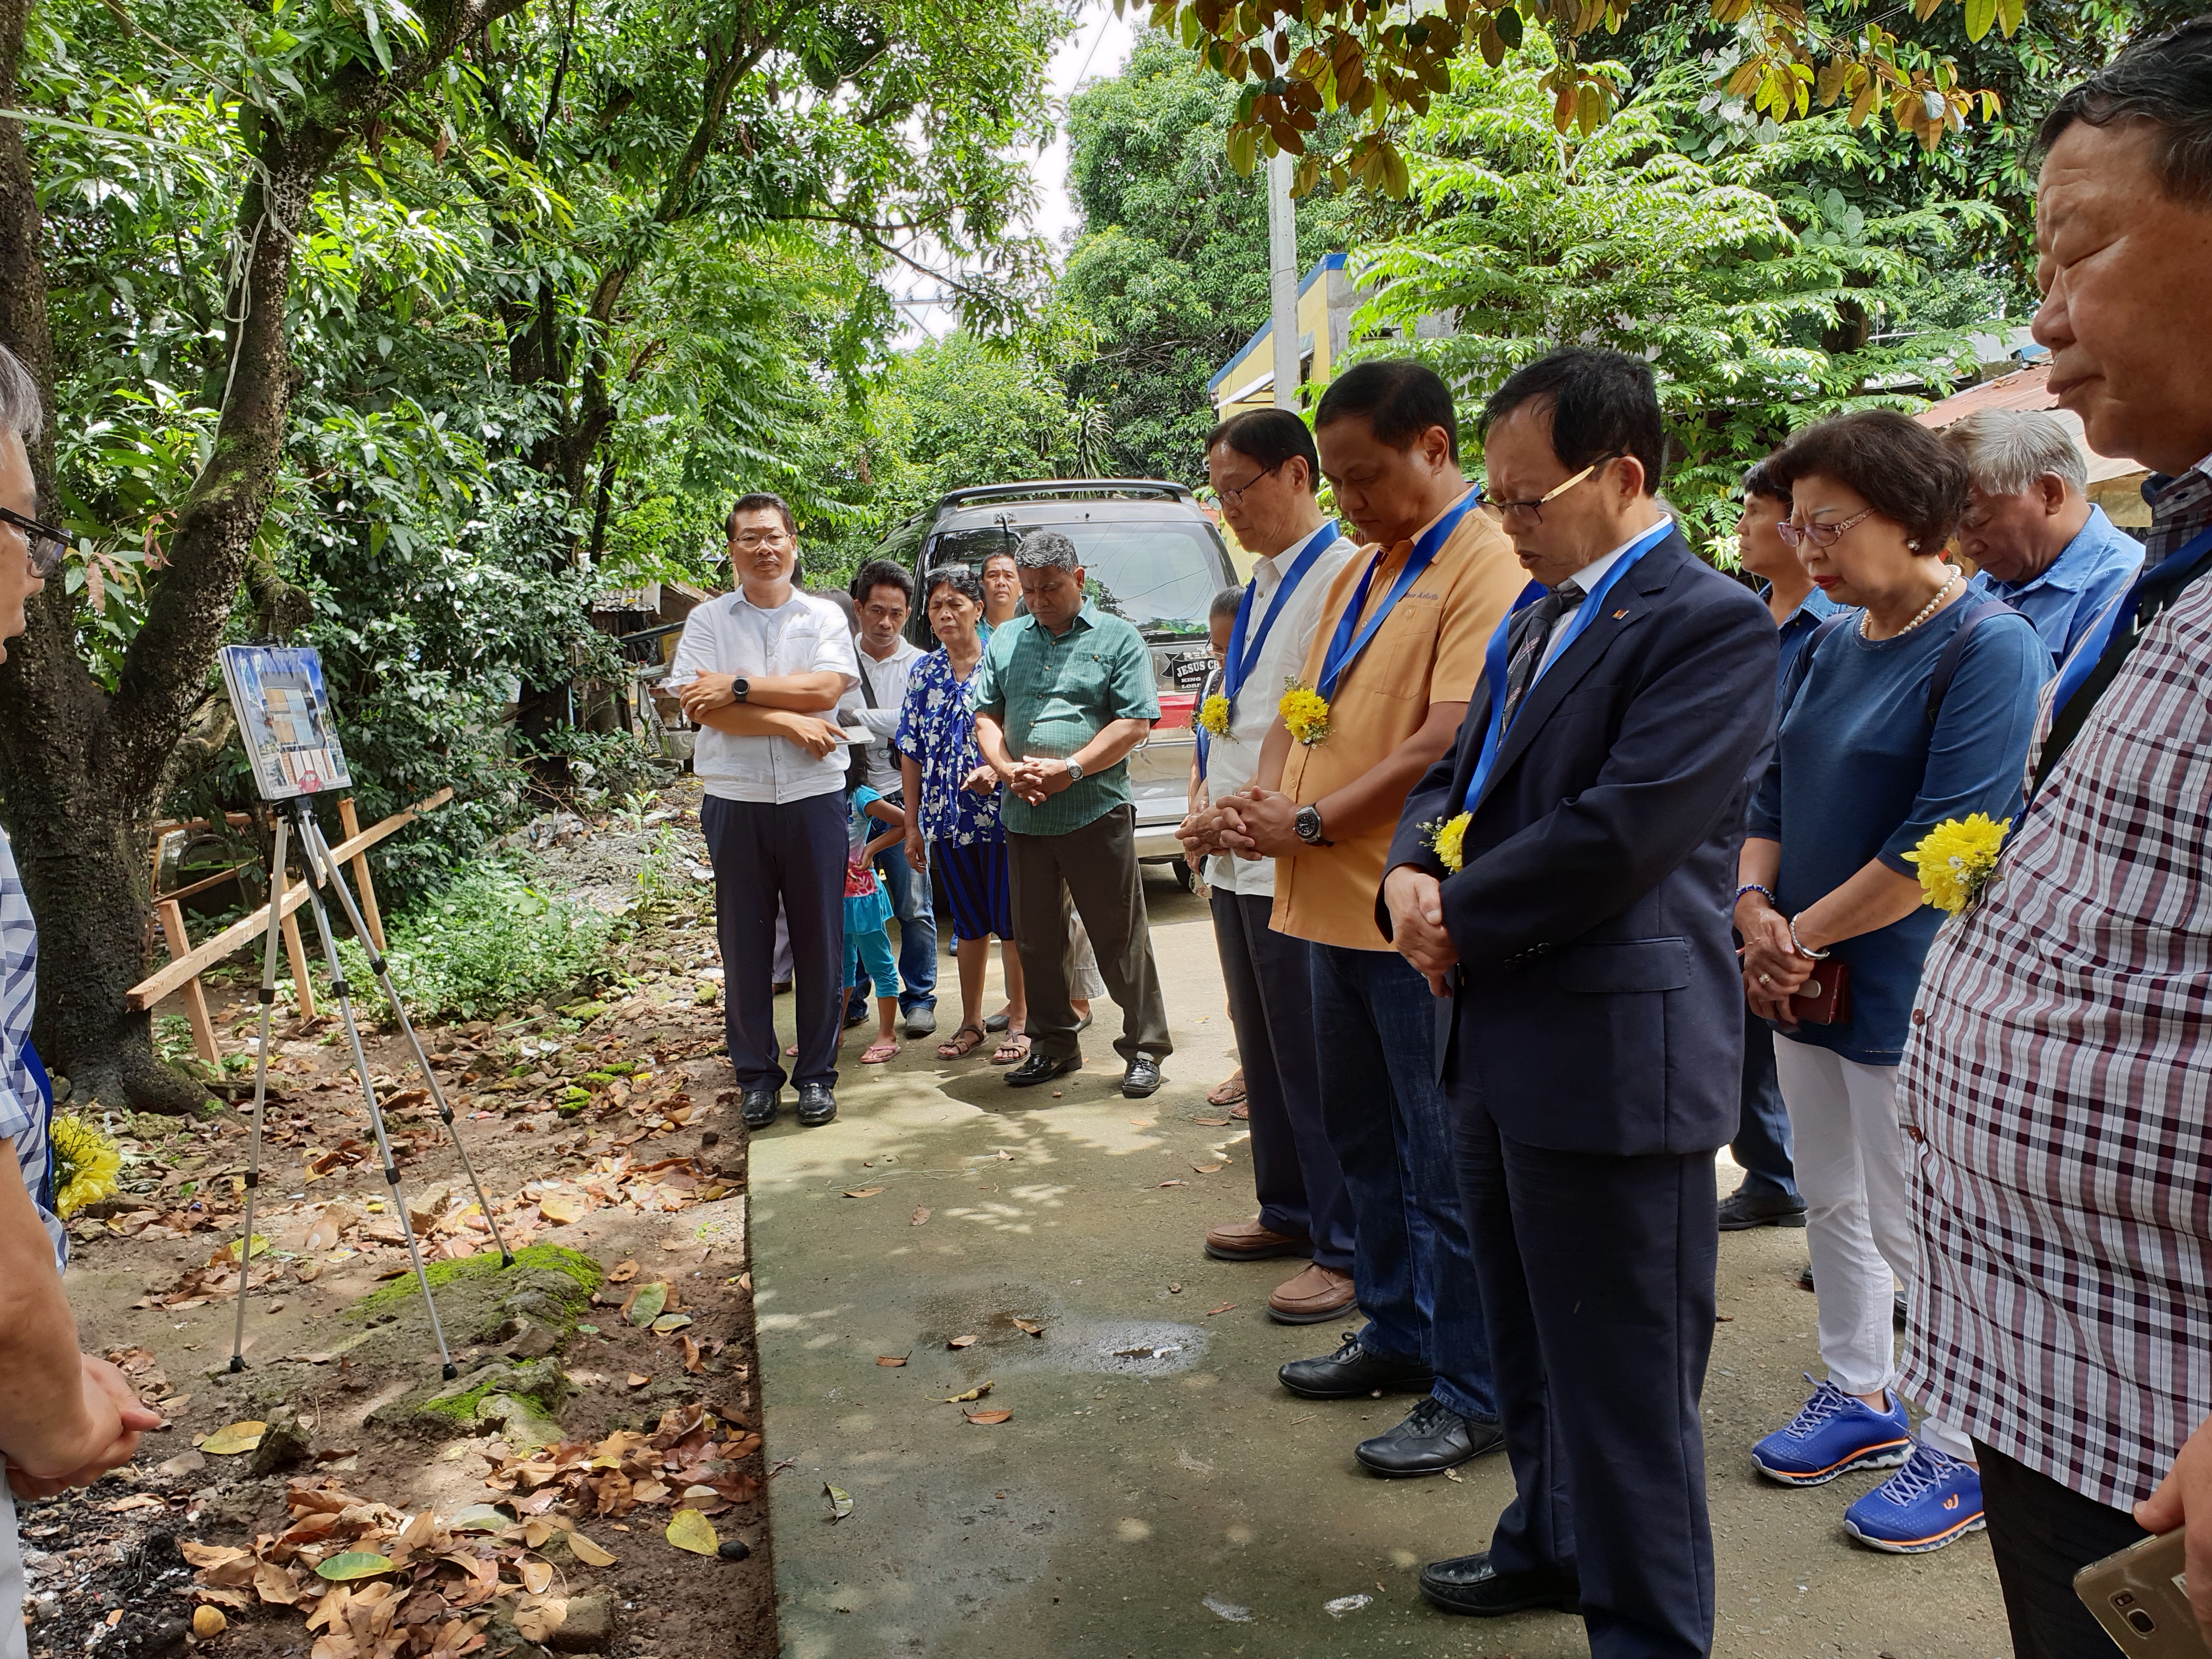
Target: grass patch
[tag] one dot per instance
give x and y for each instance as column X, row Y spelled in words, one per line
column 488, row 943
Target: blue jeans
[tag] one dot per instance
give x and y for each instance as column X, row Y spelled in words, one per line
column 1412, row 1260
column 1761, row 1146
column 917, row 919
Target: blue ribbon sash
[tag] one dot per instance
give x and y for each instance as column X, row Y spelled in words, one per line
column 1494, row 657
column 1242, row 657
column 1350, row 639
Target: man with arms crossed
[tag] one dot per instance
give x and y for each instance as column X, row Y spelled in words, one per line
column 1264, row 471
column 1593, row 1014
column 756, row 671
column 1397, row 654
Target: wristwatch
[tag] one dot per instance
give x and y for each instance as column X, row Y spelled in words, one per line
column 739, row 686
column 1307, row 823
column 1074, row 770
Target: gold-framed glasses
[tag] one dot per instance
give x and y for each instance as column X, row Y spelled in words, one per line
column 1821, row 535
column 1535, row 509
column 750, row 541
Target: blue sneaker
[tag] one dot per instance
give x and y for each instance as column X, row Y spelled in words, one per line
column 1835, row 1433
column 1934, row 1500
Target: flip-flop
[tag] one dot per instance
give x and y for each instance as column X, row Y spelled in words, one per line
column 1227, row 1093
column 953, row 1048
column 877, row 1053
column 1011, row 1052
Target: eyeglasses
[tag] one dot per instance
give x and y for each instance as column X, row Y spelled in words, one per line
column 1233, row 497
column 751, row 541
column 1821, row 535
column 1535, row 509
column 48, row 546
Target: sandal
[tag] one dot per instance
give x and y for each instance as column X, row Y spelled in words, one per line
column 962, row 1043
column 1013, row 1051
column 1227, row 1093
column 876, row 1054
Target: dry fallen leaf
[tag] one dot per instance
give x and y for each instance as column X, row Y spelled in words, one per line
column 1213, row 1122
column 1034, row 1328
column 840, row 1501
column 864, row 1192
column 1208, row 1169
column 891, row 1359
column 920, row 1215
column 639, row 1379
column 975, row 1393
column 536, row 1577
column 560, row 1209
column 1142, row 1122
column 668, row 1322
column 1174, row 1183
column 693, row 1362
column 621, row 1273
column 987, row 1417
column 690, row 1530
column 236, row 1438
column 1223, row 1308
column 645, row 1304
column 962, row 1342
column 589, row 1552
column 537, row 1620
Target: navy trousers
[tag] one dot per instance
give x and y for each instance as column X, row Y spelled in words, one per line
column 764, row 855
column 1374, row 1035
column 1597, row 1281
column 1761, row 1146
column 1268, row 976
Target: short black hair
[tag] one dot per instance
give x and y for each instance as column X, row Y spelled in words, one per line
column 1226, row 602
column 1401, row 399
column 2166, row 81
column 760, row 501
column 1603, row 403
column 1760, row 481
column 881, row 572
column 1905, row 470
column 1267, row 438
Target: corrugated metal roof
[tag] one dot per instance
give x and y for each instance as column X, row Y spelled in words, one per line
column 2027, row 389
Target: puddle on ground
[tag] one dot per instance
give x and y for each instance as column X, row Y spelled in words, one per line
column 1065, row 1342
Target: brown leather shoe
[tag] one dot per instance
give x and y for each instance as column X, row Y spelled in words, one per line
column 1315, row 1295
column 1248, row 1240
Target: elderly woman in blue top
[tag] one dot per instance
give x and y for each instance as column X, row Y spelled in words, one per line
column 66, row 1419
column 2036, row 540
column 1874, row 750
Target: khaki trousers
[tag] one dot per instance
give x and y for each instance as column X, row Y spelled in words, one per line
column 1095, row 868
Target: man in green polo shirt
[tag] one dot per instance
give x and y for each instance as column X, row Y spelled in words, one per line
column 1062, row 697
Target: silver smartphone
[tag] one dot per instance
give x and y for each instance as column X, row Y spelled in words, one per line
column 2141, row 1599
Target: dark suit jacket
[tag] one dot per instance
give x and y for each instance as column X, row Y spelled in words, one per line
column 1599, row 1007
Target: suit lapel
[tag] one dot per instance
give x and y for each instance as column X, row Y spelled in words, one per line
column 1650, row 575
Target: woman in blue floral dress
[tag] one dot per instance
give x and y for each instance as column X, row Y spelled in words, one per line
column 956, row 827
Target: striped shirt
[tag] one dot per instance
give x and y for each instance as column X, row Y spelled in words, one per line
column 22, row 1104
column 2057, row 1091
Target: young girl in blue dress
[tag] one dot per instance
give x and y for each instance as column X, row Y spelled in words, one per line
column 871, row 823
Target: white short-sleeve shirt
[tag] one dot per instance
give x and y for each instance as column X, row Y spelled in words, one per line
column 732, row 635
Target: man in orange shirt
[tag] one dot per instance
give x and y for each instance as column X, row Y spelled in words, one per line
column 1397, row 654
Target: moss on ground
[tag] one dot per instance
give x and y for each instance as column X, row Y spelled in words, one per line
column 569, row 1275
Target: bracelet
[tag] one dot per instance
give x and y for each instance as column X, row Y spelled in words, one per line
column 1751, row 887
column 1798, row 945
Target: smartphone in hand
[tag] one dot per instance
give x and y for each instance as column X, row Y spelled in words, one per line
column 2140, row 1596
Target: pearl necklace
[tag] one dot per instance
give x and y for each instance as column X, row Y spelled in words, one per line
column 1926, row 610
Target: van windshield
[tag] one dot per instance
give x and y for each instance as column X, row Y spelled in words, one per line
column 1160, row 576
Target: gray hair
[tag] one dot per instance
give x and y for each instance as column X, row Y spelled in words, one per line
column 1046, row 549
column 2006, row 450
column 20, row 409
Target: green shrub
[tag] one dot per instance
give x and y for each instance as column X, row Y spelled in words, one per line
column 488, row 943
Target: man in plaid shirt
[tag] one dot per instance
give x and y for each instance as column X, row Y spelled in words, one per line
column 2053, row 1084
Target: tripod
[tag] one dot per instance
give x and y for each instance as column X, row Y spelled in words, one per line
column 297, row 822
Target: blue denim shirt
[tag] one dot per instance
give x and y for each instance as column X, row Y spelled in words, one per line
column 1797, row 627
column 2095, row 569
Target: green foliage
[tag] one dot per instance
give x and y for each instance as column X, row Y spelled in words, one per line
column 1762, row 305
column 488, row 942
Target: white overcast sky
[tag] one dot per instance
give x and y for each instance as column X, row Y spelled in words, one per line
column 1097, row 49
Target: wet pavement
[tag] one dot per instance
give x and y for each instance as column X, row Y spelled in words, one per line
column 1155, row 1490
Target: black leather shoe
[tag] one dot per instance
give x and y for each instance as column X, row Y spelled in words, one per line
column 1351, row 1371
column 1433, row 1438
column 1740, row 1210
column 758, row 1106
column 817, row 1104
column 1142, row 1079
column 1042, row 1068
column 1467, row 1583
column 921, row 1020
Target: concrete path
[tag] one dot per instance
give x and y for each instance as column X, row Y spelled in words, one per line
column 1156, row 1492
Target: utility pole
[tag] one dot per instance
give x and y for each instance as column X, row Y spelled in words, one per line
column 1283, row 277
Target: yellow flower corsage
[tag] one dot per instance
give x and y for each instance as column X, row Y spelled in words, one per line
column 1447, row 839
column 1214, row 716
column 1956, row 857
column 1305, row 714
column 87, row 1164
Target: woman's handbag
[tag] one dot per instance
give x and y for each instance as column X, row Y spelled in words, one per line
column 1824, row 998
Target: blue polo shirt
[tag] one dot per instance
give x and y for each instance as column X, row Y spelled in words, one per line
column 2095, row 569
column 1797, row 627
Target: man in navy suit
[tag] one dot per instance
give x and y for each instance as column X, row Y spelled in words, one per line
column 1594, row 1011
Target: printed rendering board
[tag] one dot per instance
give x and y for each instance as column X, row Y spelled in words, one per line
column 284, row 718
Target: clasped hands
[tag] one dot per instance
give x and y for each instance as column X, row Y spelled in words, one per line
column 1252, row 823
column 1773, row 969
column 1034, row 778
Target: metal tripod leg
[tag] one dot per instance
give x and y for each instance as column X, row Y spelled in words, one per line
column 306, row 823
column 319, row 852
column 277, row 884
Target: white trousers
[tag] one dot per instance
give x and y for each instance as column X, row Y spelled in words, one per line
column 14, row 1640
column 1850, row 1161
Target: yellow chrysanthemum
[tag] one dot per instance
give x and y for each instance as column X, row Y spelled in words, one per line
column 86, row 1163
column 1447, row 841
column 1214, row 716
column 1306, row 714
column 1955, row 858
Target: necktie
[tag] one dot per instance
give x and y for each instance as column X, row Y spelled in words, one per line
column 1544, row 616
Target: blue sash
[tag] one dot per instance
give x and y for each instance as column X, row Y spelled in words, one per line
column 1494, row 664
column 1344, row 647
column 1241, row 658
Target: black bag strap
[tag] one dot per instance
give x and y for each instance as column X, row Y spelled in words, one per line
column 1978, row 611
column 867, row 686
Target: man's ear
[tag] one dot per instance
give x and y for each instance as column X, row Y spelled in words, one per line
column 2053, row 490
